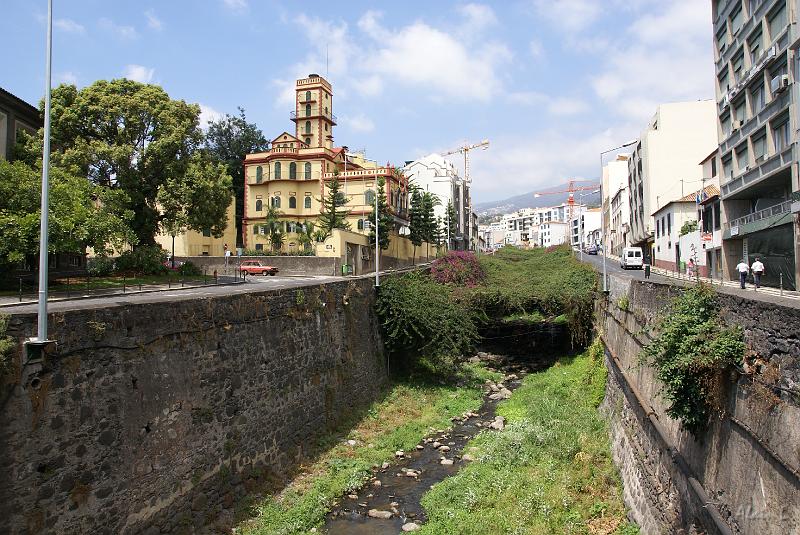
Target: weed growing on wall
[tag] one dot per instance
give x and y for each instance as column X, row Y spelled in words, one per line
column 6, row 347
column 692, row 350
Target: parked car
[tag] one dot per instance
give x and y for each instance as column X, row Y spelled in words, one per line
column 591, row 249
column 256, row 267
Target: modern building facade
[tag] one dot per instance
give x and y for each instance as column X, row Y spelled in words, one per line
column 664, row 164
column 615, row 186
column 756, row 46
column 16, row 116
column 437, row 175
column 294, row 174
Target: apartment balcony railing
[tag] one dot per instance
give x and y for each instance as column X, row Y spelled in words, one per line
column 783, row 208
column 310, row 114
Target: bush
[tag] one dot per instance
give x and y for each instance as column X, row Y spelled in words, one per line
column 188, row 269
column 144, row 260
column 100, row 266
column 421, row 321
column 690, row 353
column 460, row 268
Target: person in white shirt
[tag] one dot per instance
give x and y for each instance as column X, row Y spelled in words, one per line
column 758, row 269
column 743, row 269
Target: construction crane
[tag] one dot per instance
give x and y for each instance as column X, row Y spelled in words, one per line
column 571, row 189
column 465, row 151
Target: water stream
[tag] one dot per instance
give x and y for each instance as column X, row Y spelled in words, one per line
column 390, row 500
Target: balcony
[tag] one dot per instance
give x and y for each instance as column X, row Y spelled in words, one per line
column 313, row 113
column 763, row 171
column 759, row 220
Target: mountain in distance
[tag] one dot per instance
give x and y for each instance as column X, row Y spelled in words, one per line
column 527, row 200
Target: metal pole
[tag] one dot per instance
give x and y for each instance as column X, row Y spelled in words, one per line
column 603, row 224
column 377, row 247
column 43, row 230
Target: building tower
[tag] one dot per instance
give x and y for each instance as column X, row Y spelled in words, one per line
column 313, row 116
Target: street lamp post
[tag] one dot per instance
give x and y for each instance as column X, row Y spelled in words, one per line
column 603, row 215
column 37, row 345
column 377, row 247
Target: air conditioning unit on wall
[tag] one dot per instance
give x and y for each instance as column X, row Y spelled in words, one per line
column 779, row 84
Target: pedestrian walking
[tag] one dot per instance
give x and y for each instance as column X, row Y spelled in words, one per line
column 647, row 271
column 227, row 255
column 690, row 268
column 743, row 270
column 758, row 269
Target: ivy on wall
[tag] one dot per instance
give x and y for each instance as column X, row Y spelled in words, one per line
column 691, row 352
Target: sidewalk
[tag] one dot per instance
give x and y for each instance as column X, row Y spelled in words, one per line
column 78, row 293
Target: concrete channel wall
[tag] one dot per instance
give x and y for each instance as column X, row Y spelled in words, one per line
column 154, row 418
column 741, row 476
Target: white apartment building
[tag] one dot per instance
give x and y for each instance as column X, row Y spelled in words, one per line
column 584, row 226
column 664, row 165
column 522, row 227
column 615, row 184
column 553, row 233
column 435, row 174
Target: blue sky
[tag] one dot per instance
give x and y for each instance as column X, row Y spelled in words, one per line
column 551, row 83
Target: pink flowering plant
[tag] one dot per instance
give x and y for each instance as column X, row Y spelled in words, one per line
column 458, row 268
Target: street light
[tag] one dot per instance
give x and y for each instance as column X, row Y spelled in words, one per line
column 602, row 213
column 37, row 345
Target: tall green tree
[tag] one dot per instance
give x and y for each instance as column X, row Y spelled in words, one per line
column 81, row 214
column 428, row 219
column 132, row 137
column 416, row 225
column 451, row 225
column 331, row 215
column 305, row 235
column 385, row 219
column 229, row 140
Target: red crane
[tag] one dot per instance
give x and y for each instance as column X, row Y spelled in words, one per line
column 571, row 189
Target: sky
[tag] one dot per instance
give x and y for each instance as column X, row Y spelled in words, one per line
column 550, row 83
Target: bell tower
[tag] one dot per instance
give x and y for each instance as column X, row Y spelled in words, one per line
column 313, row 116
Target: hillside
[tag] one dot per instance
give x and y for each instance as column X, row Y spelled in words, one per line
column 527, row 200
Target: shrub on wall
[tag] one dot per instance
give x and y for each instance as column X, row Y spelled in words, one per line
column 420, row 320
column 144, row 260
column 691, row 352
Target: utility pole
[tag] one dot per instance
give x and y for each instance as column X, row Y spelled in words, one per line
column 377, row 246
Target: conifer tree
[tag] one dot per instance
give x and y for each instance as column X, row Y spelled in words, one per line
column 384, row 218
column 331, row 216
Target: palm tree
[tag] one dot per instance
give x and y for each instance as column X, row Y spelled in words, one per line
column 306, row 235
column 276, row 239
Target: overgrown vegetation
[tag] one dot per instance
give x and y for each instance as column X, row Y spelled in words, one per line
column 144, row 260
column 691, row 352
column 549, row 471
column 407, row 413
column 687, row 227
column 437, row 317
column 422, row 321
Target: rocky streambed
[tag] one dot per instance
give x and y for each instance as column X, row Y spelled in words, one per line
column 389, row 503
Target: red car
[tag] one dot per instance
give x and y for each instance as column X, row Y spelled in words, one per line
column 256, row 267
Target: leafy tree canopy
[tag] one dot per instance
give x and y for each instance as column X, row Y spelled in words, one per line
column 81, row 213
column 131, row 137
column 229, row 140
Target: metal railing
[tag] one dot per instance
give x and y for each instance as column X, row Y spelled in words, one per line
column 313, row 112
column 782, row 208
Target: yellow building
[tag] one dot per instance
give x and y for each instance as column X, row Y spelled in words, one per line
column 293, row 174
column 192, row 243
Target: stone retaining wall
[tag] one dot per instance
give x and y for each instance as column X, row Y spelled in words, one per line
column 741, row 477
column 156, row 419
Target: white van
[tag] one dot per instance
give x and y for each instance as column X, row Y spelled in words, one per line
column 632, row 257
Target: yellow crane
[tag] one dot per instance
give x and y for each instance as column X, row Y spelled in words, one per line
column 464, row 149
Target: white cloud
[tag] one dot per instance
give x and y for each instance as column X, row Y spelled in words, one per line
column 153, row 22
column 238, row 6
column 374, row 56
column 358, row 123
column 569, row 15
column 558, row 105
column 139, row 73
column 567, row 106
column 67, row 77
column 68, row 25
column 208, row 114
column 119, row 30
column 666, row 56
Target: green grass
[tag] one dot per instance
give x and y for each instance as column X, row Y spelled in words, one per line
column 549, row 471
column 399, row 421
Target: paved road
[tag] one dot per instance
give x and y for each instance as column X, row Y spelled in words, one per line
column 253, row 284
column 768, row 295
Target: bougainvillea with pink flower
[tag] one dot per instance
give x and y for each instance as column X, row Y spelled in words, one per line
column 459, row 268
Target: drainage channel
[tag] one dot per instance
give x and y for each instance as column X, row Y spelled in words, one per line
column 389, row 503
